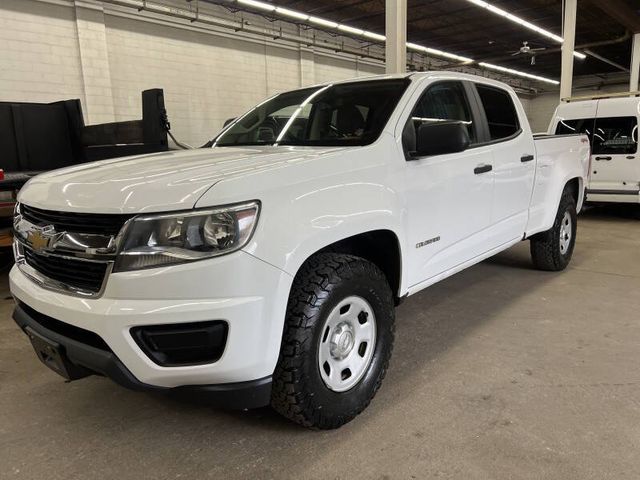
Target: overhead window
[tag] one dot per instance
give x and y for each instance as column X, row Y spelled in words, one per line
column 617, row 135
column 500, row 110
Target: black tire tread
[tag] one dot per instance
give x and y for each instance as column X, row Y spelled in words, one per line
column 290, row 395
column 545, row 252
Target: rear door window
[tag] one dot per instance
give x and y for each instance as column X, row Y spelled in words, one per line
column 615, row 135
column 500, row 111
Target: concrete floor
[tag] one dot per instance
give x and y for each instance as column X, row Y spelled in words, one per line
column 499, row 372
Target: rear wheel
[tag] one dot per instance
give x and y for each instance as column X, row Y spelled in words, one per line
column 552, row 250
column 337, row 341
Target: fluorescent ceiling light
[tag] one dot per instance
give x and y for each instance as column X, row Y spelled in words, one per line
column 439, row 53
column 347, row 28
column 324, row 22
column 515, row 19
column 374, row 36
column 521, row 21
column 415, row 46
column 261, row 5
column 291, row 13
column 518, row 73
column 435, row 51
column 412, row 46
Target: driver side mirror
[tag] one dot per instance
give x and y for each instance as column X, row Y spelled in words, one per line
column 439, row 138
column 228, row 121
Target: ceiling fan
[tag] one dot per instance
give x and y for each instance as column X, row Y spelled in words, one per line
column 527, row 50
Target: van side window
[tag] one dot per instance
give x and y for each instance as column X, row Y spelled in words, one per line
column 500, row 111
column 615, row 135
column 580, row 125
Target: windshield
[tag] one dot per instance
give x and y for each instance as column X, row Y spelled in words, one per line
column 334, row 115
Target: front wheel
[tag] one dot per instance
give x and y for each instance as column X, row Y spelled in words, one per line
column 552, row 250
column 337, row 341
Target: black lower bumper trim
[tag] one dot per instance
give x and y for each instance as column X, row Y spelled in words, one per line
column 241, row 395
column 613, row 192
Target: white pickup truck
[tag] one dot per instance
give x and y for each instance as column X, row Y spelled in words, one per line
column 265, row 269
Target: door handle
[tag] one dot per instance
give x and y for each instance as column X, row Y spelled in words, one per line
column 603, row 158
column 630, row 157
column 526, row 158
column 482, row 169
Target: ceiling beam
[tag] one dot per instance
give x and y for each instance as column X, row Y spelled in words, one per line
column 620, row 12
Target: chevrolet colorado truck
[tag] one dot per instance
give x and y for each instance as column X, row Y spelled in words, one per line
column 265, row 268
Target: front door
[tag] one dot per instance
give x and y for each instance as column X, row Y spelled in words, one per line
column 448, row 197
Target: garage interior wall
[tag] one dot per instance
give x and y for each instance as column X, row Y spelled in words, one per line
column 54, row 50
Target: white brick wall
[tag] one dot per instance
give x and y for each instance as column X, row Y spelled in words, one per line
column 39, row 53
column 80, row 49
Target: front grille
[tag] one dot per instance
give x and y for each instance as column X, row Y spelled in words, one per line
column 80, row 274
column 100, row 224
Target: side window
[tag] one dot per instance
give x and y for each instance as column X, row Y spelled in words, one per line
column 615, row 135
column 500, row 110
column 580, row 125
column 445, row 101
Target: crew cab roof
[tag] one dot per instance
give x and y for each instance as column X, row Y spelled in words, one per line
column 444, row 74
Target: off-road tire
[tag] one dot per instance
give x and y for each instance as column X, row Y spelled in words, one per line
column 545, row 246
column 299, row 392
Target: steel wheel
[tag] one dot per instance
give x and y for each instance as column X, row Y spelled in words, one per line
column 566, row 231
column 347, row 344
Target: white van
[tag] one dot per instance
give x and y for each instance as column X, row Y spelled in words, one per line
column 612, row 127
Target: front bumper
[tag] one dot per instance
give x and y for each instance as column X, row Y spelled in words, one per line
column 92, row 359
column 247, row 293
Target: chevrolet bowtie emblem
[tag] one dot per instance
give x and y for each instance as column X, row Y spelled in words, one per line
column 40, row 239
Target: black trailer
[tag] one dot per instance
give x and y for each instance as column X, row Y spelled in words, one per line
column 37, row 137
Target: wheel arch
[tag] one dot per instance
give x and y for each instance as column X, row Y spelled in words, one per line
column 575, row 185
column 380, row 247
column 542, row 215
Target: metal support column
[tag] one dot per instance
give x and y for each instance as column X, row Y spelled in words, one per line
column 569, row 33
column 396, row 33
column 635, row 64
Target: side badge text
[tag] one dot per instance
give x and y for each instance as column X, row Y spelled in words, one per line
column 428, row 242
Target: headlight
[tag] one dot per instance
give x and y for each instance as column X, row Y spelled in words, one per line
column 168, row 239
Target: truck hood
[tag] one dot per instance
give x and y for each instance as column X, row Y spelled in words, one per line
column 156, row 182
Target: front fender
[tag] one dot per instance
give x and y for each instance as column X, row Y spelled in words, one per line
column 286, row 237
column 309, row 205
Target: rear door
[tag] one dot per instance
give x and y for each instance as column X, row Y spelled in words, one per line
column 513, row 162
column 614, row 148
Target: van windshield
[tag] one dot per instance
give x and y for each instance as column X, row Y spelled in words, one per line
column 345, row 114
